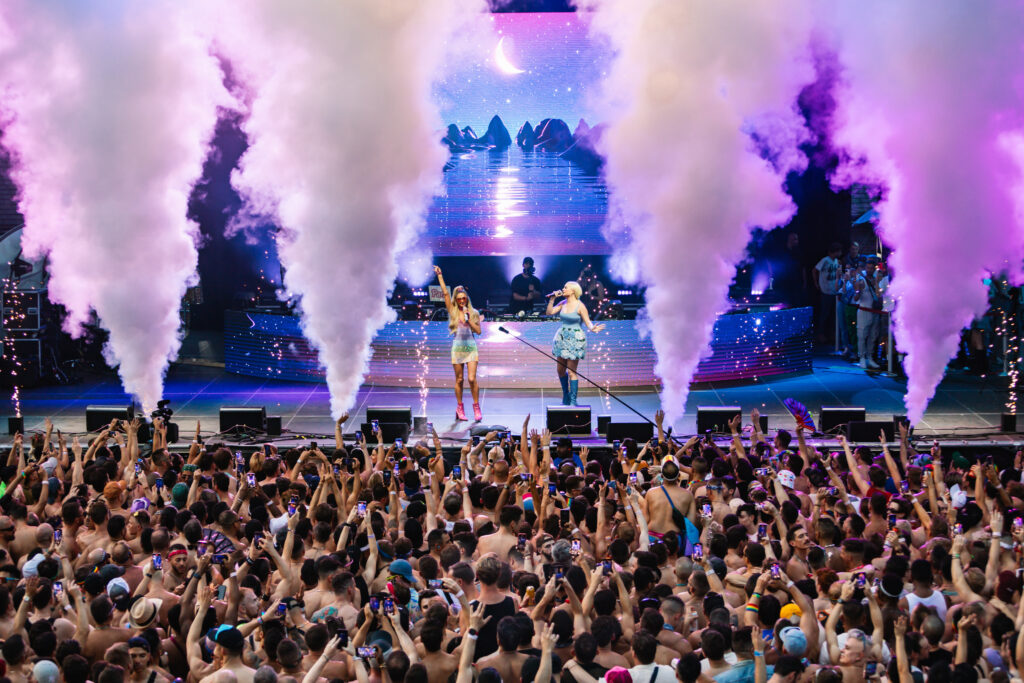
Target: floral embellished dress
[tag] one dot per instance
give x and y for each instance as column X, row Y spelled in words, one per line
column 570, row 341
column 464, row 349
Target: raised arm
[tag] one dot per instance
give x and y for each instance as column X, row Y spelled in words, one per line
column 552, row 309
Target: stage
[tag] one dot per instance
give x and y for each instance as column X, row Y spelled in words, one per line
column 966, row 408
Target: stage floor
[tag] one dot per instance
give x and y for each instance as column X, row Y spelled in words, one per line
column 965, row 407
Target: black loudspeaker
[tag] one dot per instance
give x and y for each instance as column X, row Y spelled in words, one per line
column 98, row 417
column 896, row 420
column 638, row 431
column 273, row 425
column 389, row 432
column 15, row 425
column 1008, row 422
column 245, row 417
column 602, row 424
column 569, row 420
column 384, row 414
column 860, row 431
column 715, row 419
column 419, row 424
column 832, row 418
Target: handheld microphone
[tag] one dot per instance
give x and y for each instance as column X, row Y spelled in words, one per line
column 502, row 329
column 554, row 293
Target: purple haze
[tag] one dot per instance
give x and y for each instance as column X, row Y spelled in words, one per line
column 932, row 103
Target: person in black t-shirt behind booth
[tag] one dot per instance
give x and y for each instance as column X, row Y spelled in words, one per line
column 525, row 289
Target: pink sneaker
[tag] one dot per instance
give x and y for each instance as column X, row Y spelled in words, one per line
column 460, row 413
column 477, row 415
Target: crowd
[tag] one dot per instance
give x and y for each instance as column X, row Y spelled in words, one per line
column 518, row 558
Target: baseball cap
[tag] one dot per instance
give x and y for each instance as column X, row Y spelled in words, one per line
column 794, row 642
column 230, row 638
column 403, row 569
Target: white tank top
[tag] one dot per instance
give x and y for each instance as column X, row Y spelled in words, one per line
column 936, row 600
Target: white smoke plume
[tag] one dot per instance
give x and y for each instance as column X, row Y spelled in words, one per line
column 690, row 80
column 344, row 152
column 107, row 111
column 931, row 107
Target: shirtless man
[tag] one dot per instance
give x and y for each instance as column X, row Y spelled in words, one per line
column 105, row 634
column 508, row 661
column 440, row 665
column 228, row 649
column 658, row 503
column 505, row 539
column 798, row 568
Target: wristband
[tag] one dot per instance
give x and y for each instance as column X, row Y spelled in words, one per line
column 472, row 633
column 471, row 636
column 460, row 594
column 758, row 654
column 755, row 594
column 997, row 535
column 956, row 556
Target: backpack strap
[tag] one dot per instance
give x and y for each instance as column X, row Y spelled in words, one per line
column 665, row 491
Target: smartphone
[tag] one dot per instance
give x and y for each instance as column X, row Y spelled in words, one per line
column 292, row 506
column 892, row 520
column 565, row 515
column 435, row 584
column 342, row 634
column 366, row 652
column 361, row 509
column 522, row 541
column 612, row 484
column 159, row 483
column 57, row 588
column 251, row 480
column 398, row 470
column 399, row 444
column 861, row 580
column 375, row 426
column 832, row 491
column 905, row 486
column 389, row 606
column 200, row 548
column 763, row 472
column 386, row 477
column 266, row 449
column 558, row 574
column 430, row 428
column 526, row 477
column 158, row 561
column 256, row 538
column 616, row 445
column 282, row 609
column 222, row 591
column 633, row 479
column 374, row 604
column 762, row 530
column 958, row 529
column 625, row 452
column 776, row 571
column 705, row 510
column 870, row 669
column 238, row 458
column 58, row 533
column 575, row 548
column 698, row 552
column 457, row 472
column 1018, row 523
column 607, row 567
column 138, row 466
column 552, row 489
column 219, row 558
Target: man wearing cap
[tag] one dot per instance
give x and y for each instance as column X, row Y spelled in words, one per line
column 229, row 644
column 142, row 662
column 869, row 309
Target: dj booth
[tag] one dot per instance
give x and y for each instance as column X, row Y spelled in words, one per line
column 744, row 346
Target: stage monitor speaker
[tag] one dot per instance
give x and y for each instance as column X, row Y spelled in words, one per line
column 389, row 431
column 638, row 431
column 98, row 417
column 896, row 420
column 273, row 425
column 384, row 414
column 15, row 425
column 172, row 432
column 861, row 431
column 483, row 430
column 1010, row 422
column 602, row 424
column 715, row 419
column 247, row 417
column 569, row 420
column 831, row 418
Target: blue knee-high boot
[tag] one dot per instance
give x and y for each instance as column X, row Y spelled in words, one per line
column 574, row 387
column 564, row 379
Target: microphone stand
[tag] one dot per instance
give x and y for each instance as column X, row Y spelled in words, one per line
column 597, row 386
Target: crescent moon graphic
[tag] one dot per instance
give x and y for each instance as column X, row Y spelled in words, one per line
column 502, row 62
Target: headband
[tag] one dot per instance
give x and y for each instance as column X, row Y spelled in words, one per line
column 175, row 553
